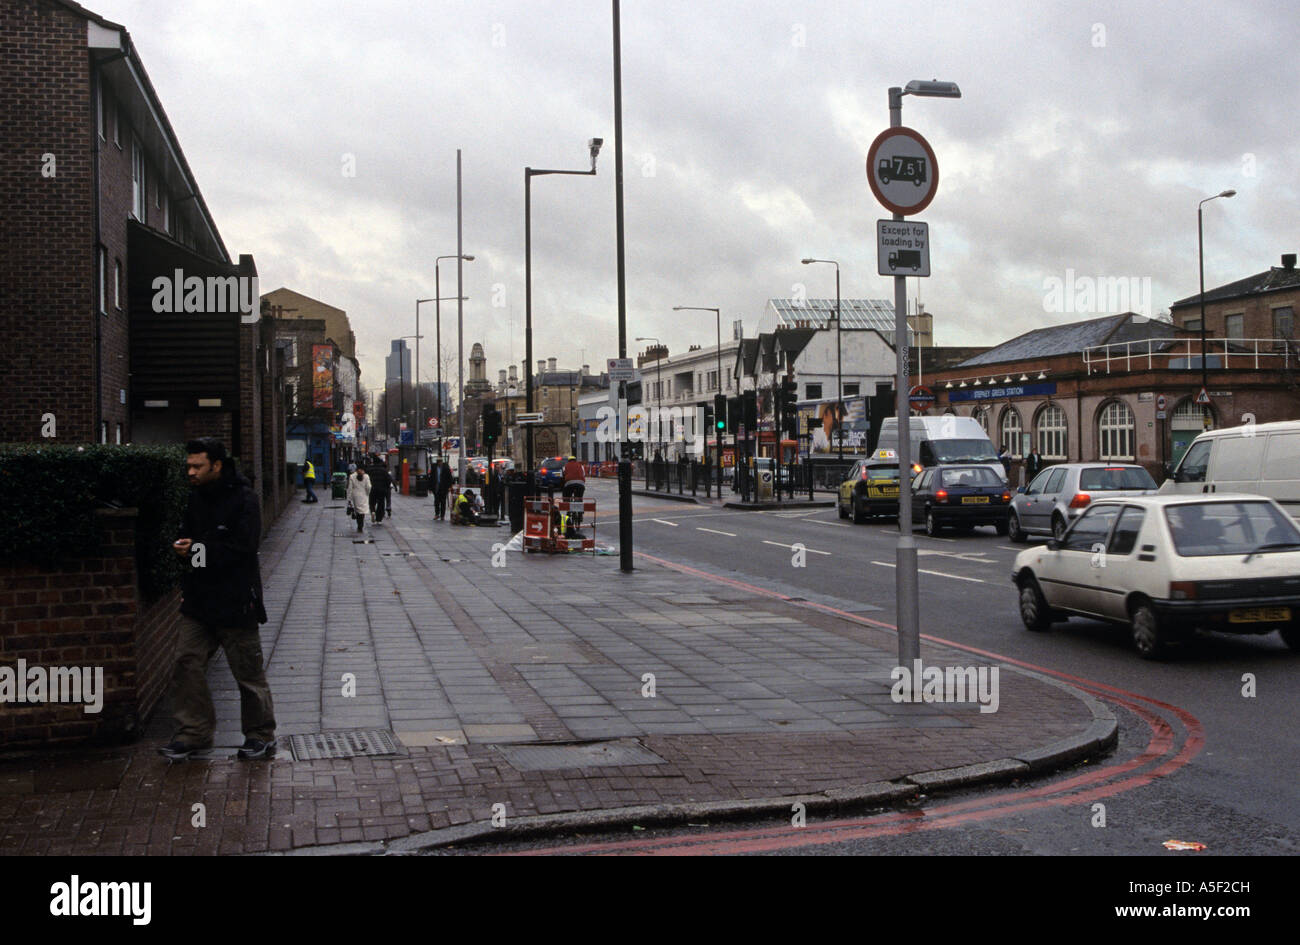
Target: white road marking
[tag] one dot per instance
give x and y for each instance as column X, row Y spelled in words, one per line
column 714, row 531
column 1016, row 548
column 662, row 522
column 836, row 524
column 887, row 564
column 811, row 551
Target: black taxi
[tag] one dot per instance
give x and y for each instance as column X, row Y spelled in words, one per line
column 871, row 487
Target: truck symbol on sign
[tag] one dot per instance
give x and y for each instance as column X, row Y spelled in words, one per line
column 905, row 258
column 900, row 167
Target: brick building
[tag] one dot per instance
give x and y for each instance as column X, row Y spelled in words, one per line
column 122, row 312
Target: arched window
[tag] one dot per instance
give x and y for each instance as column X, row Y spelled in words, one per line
column 1116, row 432
column 1010, row 430
column 1051, row 432
column 981, row 416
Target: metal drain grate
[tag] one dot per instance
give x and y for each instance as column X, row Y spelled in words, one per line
column 369, row 742
column 586, row 755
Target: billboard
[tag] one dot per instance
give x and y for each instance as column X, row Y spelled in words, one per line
column 855, row 425
column 322, row 376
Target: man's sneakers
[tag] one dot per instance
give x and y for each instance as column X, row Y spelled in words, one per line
column 179, row 751
column 256, row 750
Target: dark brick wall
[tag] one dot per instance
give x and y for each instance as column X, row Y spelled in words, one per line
column 87, row 612
column 47, row 262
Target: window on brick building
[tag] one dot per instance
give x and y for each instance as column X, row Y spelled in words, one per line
column 137, row 180
column 1234, row 326
column 117, row 284
column 1051, row 432
column 103, row 281
column 117, row 126
column 119, row 435
column 1192, row 324
column 813, row 391
column 103, row 431
column 99, row 112
column 164, row 211
column 1010, row 430
column 1116, row 432
column 851, row 390
column 1284, row 323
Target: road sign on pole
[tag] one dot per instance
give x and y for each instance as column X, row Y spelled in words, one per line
column 1203, row 397
column 920, row 398
column 903, row 249
column 620, row 370
column 902, row 171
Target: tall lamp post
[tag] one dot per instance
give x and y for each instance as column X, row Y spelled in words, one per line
column 593, row 146
column 437, row 291
column 659, row 394
column 905, row 574
column 1200, row 255
column 839, row 363
column 717, row 312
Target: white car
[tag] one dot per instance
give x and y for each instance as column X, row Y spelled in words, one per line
column 1168, row 564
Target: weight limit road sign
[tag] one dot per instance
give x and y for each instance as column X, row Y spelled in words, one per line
column 902, row 170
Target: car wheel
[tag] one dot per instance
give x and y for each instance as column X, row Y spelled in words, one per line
column 1003, row 527
column 1291, row 636
column 859, row 515
column 839, row 507
column 1058, row 527
column 1034, row 610
column 1014, row 531
column 932, row 526
column 1149, row 638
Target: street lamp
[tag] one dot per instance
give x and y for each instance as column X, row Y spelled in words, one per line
column 718, row 315
column 1200, row 255
column 905, row 573
column 437, row 291
column 659, row 394
column 593, row 146
column 839, row 364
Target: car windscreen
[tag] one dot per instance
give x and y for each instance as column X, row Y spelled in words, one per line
column 1228, row 528
column 963, row 451
column 1114, row 479
column 553, row 464
column 883, row 472
column 969, row 476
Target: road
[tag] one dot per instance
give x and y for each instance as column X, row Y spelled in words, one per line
column 1236, row 794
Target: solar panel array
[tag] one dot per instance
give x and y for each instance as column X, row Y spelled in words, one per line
column 855, row 313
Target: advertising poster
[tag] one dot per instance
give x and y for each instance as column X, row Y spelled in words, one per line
column 823, row 431
column 322, row 376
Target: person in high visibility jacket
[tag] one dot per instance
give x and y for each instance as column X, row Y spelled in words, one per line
column 309, row 480
column 467, row 508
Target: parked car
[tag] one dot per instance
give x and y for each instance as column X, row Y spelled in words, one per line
column 1263, row 459
column 964, row 496
column 1166, row 565
column 1059, row 494
column 551, row 472
column 871, row 487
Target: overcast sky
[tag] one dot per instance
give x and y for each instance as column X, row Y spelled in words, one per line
column 1085, row 136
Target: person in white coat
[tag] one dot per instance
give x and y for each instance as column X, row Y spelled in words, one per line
column 358, row 495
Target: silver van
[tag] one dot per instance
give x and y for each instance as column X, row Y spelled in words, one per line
column 1259, row 459
column 942, row 441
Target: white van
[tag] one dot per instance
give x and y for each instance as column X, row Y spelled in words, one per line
column 1263, row 459
column 942, row 441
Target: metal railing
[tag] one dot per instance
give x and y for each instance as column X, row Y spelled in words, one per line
column 1151, row 353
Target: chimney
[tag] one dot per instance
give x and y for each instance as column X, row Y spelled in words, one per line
column 550, row 365
column 501, row 376
column 1288, row 260
column 514, row 374
column 541, row 367
column 586, row 369
column 737, row 330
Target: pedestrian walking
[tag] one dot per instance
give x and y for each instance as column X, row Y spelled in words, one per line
column 441, row 486
column 358, row 494
column 657, row 463
column 309, row 480
column 1033, row 464
column 381, row 493
column 1004, row 457
column 221, row 606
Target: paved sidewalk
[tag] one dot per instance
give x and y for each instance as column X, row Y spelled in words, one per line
column 548, row 685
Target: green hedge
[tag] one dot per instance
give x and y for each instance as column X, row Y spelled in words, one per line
column 53, row 491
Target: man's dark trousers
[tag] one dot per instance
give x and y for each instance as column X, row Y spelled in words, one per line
column 196, row 719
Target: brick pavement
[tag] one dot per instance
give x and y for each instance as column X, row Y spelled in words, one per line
column 467, row 663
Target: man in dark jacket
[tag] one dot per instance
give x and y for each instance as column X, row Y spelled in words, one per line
column 222, row 605
column 441, row 486
column 381, row 492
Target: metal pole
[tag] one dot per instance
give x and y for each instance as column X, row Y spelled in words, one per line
column 716, row 431
column 839, row 369
column 907, row 589
column 624, row 464
column 437, row 307
column 1200, row 255
column 460, row 333
column 528, row 319
column 418, row 426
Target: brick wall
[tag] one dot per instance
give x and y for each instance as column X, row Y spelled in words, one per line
column 87, row 612
column 47, row 288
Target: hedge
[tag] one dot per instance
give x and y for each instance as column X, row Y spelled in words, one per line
column 52, row 492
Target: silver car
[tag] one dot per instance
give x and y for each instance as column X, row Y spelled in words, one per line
column 1059, row 494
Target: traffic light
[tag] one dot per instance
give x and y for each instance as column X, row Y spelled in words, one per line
column 720, row 413
column 491, row 424
column 750, row 411
column 786, row 401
